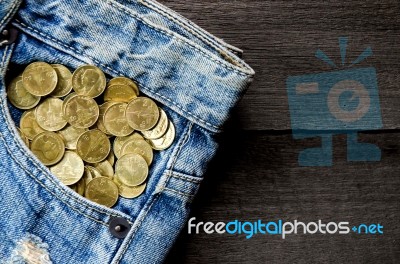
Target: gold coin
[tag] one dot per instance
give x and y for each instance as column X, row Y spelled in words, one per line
column 81, row 111
column 79, row 187
column 138, row 146
column 83, row 182
column 124, row 81
column 23, row 137
column 165, row 141
column 105, row 169
column 49, row 114
column 88, row 174
column 129, row 192
column 100, row 120
column 88, row 80
column 120, row 141
column 64, row 84
column 111, row 158
column 70, row 169
column 29, row 125
column 142, row 113
column 115, row 121
column 48, row 147
column 103, row 191
column 70, row 135
column 19, row 96
column 67, row 99
column 93, row 171
column 119, row 93
column 39, row 78
column 160, row 129
column 93, row 146
column 131, row 170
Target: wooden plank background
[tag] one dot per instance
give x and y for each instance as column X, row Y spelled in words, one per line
column 256, row 175
column 280, row 38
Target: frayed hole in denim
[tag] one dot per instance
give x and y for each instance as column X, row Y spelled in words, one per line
column 30, row 250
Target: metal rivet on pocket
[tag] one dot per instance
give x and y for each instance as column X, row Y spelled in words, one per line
column 119, row 227
column 8, row 36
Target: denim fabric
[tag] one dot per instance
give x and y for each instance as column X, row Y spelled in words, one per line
column 195, row 77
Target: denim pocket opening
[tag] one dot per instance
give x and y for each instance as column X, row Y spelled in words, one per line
column 18, row 151
column 39, row 51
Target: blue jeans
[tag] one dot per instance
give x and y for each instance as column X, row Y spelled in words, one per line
column 196, row 78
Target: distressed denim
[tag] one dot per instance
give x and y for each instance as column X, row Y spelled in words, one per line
column 196, row 79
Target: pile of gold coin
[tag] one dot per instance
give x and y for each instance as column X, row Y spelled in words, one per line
column 96, row 137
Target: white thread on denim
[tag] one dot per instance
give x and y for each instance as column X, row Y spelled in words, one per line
column 181, row 144
column 192, row 29
column 152, row 199
column 185, row 177
column 178, row 192
column 12, row 10
column 135, row 226
column 179, row 148
column 183, row 40
column 3, row 59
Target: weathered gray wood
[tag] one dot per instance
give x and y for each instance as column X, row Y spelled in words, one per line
column 256, row 176
column 281, row 37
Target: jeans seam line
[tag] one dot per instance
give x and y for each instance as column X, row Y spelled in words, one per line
column 3, row 59
column 176, row 154
column 9, row 12
column 190, row 28
column 117, row 73
column 154, row 198
column 145, row 213
column 180, row 39
column 178, row 192
column 184, row 178
column 179, row 148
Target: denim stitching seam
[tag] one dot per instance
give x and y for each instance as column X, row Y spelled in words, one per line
column 118, row 73
column 183, row 142
column 185, row 178
column 153, row 200
column 3, row 59
column 178, row 151
column 176, row 37
column 178, row 192
column 9, row 12
column 190, row 28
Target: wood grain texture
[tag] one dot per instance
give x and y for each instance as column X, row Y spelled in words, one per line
column 256, row 173
column 256, row 176
column 280, row 38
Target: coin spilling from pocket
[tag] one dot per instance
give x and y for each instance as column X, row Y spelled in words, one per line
column 96, row 137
